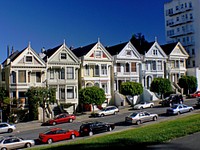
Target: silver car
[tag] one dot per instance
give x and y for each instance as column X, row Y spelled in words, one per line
column 179, row 109
column 140, row 117
column 14, row 142
column 6, row 127
column 109, row 110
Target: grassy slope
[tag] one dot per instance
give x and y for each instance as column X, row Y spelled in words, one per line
column 142, row 136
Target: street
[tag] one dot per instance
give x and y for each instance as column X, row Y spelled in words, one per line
column 118, row 119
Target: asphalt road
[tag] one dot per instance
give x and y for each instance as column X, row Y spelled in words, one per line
column 190, row 142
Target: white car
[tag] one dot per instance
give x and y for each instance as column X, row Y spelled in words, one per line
column 13, row 142
column 6, row 127
column 144, row 105
column 109, row 110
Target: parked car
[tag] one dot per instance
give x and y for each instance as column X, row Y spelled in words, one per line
column 61, row 118
column 195, row 94
column 6, row 127
column 172, row 99
column 179, row 109
column 143, row 105
column 57, row 134
column 198, row 102
column 109, row 110
column 90, row 128
column 140, row 117
column 14, row 142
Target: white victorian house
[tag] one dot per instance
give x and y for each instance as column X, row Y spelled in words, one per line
column 96, row 68
column 62, row 74
column 22, row 70
column 176, row 63
column 127, row 63
column 153, row 66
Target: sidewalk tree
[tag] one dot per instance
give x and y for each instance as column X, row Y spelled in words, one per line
column 92, row 95
column 40, row 96
column 161, row 86
column 188, row 83
column 131, row 88
column 4, row 103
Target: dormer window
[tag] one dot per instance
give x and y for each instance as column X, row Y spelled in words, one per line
column 97, row 54
column 63, row 56
column 29, row 59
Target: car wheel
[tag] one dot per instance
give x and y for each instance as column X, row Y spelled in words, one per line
column 178, row 113
column 90, row 133
column 151, row 106
column 49, row 141
column 190, row 110
column 54, row 123
column 73, row 136
column 70, row 120
column 138, row 122
column 28, row 145
column 141, row 107
column 102, row 115
column 154, row 118
column 4, row 148
column 10, row 130
column 109, row 129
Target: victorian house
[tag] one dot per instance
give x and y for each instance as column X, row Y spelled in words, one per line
column 62, row 74
column 176, row 63
column 20, row 71
column 96, row 68
column 127, row 63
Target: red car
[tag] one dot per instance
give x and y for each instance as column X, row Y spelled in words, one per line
column 195, row 94
column 57, row 134
column 61, row 118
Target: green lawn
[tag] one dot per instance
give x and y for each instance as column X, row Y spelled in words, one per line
column 136, row 137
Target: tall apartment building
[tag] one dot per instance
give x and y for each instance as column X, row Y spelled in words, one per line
column 182, row 24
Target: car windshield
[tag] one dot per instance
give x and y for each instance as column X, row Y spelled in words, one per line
column 1, row 139
column 133, row 114
column 174, row 106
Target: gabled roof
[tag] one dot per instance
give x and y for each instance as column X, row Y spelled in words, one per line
column 168, row 48
column 13, row 56
column 50, row 52
column 81, row 51
column 116, row 49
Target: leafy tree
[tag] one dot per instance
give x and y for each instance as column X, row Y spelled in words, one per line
column 40, row 96
column 161, row 86
column 92, row 95
column 4, row 103
column 188, row 83
column 138, row 40
column 131, row 88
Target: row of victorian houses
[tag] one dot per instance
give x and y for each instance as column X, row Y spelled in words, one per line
column 69, row 70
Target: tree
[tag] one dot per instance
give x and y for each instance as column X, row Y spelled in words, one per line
column 188, row 83
column 131, row 88
column 40, row 96
column 161, row 86
column 92, row 95
column 5, row 103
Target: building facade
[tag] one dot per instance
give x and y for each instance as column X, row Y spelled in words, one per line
column 182, row 25
column 96, row 68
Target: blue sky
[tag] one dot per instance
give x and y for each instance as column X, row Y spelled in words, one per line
column 47, row 23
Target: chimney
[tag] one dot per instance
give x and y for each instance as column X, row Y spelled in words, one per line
column 8, row 51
